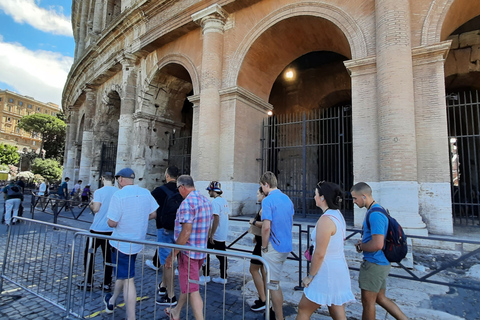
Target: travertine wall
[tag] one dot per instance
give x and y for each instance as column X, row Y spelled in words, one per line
column 229, row 53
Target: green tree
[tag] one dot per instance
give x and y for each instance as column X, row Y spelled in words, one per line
column 47, row 168
column 52, row 130
column 8, row 154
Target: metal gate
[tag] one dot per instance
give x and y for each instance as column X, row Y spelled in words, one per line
column 463, row 114
column 179, row 152
column 108, row 159
column 303, row 149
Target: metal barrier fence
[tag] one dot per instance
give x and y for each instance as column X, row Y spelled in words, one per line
column 56, row 205
column 47, row 260
column 451, row 258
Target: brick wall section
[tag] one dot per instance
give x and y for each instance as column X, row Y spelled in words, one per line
column 397, row 148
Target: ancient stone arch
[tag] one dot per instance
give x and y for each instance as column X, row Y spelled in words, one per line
column 185, row 62
column 444, row 17
column 351, row 30
column 80, row 127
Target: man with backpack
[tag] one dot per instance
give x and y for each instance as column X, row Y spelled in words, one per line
column 168, row 199
column 13, row 200
column 375, row 267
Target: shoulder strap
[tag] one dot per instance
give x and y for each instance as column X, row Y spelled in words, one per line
column 375, row 209
column 167, row 191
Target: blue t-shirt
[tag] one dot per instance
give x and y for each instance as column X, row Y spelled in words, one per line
column 379, row 225
column 63, row 186
column 278, row 208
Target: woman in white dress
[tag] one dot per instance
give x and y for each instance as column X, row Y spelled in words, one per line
column 329, row 280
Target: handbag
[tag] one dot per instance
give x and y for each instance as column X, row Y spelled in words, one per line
column 309, row 253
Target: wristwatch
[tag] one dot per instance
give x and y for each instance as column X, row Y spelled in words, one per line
column 264, row 249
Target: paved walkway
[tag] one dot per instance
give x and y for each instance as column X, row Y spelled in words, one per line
column 417, row 300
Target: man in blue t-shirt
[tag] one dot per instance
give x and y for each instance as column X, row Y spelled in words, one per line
column 63, row 189
column 375, row 268
column 277, row 218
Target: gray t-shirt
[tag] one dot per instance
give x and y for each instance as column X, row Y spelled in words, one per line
column 103, row 196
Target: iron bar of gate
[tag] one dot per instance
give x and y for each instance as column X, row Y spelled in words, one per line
column 304, row 193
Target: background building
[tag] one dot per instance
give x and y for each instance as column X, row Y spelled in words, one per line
column 358, row 91
column 13, row 107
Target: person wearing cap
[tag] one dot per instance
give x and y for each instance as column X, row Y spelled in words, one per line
column 191, row 229
column 128, row 213
column 99, row 206
column 218, row 232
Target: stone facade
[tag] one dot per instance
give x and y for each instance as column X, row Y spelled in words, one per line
column 149, row 72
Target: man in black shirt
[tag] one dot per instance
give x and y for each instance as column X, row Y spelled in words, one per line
column 168, row 199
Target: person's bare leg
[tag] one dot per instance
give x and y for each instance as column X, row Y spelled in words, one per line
column 277, row 301
column 167, row 281
column 337, row 312
column 258, row 280
column 197, row 305
column 390, row 306
column 305, row 308
column 175, row 312
column 130, row 295
column 369, row 299
column 116, row 291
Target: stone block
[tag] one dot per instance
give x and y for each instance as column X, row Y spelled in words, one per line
column 475, row 55
column 455, row 42
column 469, row 39
column 462, row 58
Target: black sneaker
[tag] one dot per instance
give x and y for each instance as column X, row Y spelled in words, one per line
column 106, row 300
column 258, row 306
column 166, row 301
column 162, row 291
column 82, row 285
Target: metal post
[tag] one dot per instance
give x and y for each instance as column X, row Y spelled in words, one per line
column 304, row 200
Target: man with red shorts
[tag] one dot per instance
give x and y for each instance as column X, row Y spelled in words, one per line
column 191, row 228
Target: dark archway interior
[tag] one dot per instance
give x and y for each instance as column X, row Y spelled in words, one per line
column 462, row 82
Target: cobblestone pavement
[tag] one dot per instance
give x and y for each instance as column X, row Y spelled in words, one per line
column 418, row 300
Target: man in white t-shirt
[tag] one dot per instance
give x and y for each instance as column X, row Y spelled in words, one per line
column 130, row 209
column 99, row 207
column 217, row 235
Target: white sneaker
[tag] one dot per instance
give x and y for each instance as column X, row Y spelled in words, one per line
column 150, row 264
column 219, row 280
column 202, row 280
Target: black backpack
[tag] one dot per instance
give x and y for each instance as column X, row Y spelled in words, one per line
column 169, row 208
column 395, row 248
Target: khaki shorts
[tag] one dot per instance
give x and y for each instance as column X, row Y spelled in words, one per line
column 275, row 260
column 373, row 277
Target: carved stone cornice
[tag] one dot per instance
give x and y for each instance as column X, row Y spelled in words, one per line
column 214, row 14
column 139, row 116
column 245, row 96
column 363, row 66
column 431, row 54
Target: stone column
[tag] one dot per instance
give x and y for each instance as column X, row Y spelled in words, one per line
column 364, row 126
column 82, row 34
column 71, row 145
column 432, row 137
column 396, row 113
column 128, row 95
column 87, row 139
column 206, row 153
column 98, row 17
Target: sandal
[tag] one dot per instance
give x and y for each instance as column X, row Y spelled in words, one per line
column 169, row 315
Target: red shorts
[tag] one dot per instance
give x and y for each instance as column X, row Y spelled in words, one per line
column 186, row 273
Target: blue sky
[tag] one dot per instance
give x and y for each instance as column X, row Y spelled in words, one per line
column 36, row 47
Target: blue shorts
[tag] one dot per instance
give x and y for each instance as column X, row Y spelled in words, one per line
column 124, row 266
column 165, row 236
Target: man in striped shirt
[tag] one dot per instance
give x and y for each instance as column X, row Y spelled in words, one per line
column 191, row 228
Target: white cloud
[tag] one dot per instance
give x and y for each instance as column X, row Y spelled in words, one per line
column 27, row 11
column 39, row 74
